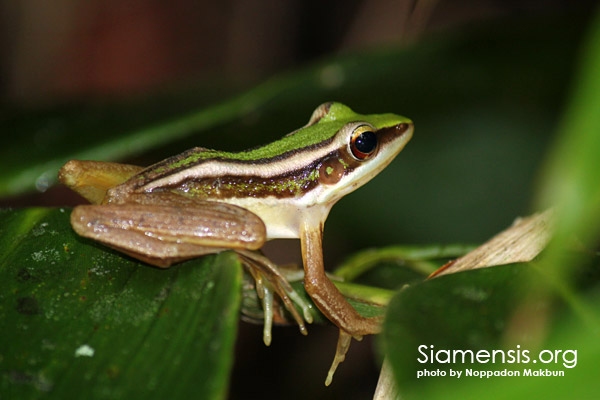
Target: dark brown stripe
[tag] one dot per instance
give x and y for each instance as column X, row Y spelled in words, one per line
column 294, row 184
column 163, row 168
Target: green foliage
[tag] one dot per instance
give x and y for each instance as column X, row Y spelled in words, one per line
column 79, row 321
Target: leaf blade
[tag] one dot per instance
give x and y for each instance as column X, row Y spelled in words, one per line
column 99, row 323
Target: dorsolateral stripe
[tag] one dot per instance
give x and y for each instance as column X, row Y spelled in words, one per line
column 281, row 165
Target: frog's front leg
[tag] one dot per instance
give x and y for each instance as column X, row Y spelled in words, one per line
column 328, row 298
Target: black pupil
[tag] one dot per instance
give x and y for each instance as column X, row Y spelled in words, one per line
column 366, row 142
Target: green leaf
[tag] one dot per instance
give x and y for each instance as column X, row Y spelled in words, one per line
column 460, row 311
column 80, row 321
column 496, row 309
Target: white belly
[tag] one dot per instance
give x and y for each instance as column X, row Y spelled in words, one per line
column 283, row 218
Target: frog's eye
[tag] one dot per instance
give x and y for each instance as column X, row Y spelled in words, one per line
column 363, row 142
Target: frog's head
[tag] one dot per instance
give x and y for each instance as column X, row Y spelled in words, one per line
column 360, row 146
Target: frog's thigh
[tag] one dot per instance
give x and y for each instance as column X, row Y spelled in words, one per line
column 162, row 235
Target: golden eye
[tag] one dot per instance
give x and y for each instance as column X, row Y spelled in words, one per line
column 363, row 143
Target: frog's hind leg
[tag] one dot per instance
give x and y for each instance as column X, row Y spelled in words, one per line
column 270, row 280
